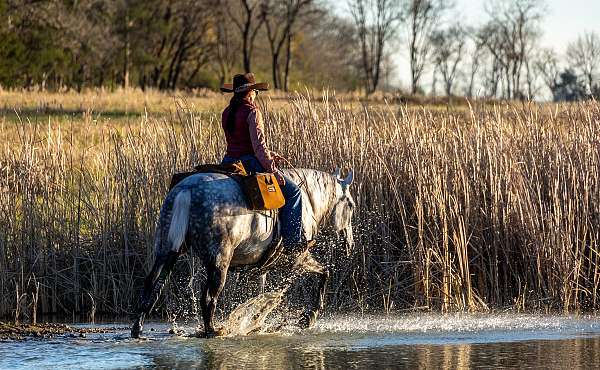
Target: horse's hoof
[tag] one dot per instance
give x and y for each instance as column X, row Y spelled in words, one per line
column 136, row 330
column 308, row 319
column 220, row 332
column 176, row 331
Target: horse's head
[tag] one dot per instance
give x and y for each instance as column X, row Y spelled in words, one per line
column 341, row 214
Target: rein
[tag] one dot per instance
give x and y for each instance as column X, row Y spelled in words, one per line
column 304, row 183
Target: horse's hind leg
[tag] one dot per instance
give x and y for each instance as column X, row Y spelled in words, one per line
column 309, row 264
column 153, row 284
column 166, row 256
column 216, row 274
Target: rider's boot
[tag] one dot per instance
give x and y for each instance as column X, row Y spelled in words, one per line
column 291, row 252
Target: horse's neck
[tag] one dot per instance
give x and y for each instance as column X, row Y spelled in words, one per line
column 320, row 188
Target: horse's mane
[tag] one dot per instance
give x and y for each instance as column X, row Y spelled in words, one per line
column 319, row 187
column 316, row 178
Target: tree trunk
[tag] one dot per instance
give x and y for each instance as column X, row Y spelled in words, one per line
column 275, row 70
column 288, row 63
column 246, row 58
column 245, row 46
column 127, row 55
column 413, row 57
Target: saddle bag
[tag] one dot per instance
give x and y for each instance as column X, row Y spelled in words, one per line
column 263, row 191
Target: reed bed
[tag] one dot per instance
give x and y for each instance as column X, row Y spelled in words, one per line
column 469, row 209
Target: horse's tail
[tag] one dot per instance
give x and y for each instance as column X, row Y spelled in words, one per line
column 179, row 219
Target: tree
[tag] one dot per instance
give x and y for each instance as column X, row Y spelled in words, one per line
column 423, row 18
column 584, row 57
column 475, row 61
column 225, row 43
column 448, row 51
column 510, row 36
column 326, row 54
column 569, row 88
column 177, row 42
column 58, row 42
column 279, row 19
column 248, row 23
column 375, row 22
column 546, row 65
column 491, row 44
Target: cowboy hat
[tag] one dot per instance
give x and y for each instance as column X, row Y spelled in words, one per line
column 243, row 83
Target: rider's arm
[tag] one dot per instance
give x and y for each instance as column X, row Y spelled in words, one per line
column 259, row 143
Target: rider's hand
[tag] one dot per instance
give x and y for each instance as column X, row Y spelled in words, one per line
column 277, row 157
column 280, row 178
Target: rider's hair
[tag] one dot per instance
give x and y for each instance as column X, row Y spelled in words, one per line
column 234, row 103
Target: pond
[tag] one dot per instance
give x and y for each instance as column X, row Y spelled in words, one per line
column 421, row 340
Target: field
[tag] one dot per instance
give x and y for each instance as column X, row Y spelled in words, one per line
column 474, row 207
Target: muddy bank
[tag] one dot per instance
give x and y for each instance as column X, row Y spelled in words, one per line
column 10, row 331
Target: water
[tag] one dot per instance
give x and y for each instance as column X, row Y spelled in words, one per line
column 405, row 341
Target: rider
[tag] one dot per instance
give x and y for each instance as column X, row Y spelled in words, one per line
column 243, row 124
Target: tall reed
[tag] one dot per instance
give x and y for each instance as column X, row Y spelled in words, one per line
column 464, row 209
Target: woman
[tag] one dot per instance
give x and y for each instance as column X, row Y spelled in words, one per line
column 244, row 132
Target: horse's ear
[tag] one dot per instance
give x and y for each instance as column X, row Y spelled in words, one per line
column 336, row 173
column 348, row 180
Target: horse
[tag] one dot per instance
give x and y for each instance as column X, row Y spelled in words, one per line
column 208, row 214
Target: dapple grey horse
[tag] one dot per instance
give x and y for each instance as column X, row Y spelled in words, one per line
column 208, row 215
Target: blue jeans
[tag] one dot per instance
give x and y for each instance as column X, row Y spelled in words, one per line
column 290, row 215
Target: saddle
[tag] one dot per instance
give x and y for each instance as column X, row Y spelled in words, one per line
column 261, row 189
column 263, row 193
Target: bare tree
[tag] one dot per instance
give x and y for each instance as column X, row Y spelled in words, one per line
column 326, row 53
column 475, row 60
column 376, row 24
column 448, row 52
column 248, row 23
column 584, row 57
column 510, row 37
column 279, row 19
column 423, row 18
column 491, row 44
column 225, row 43
column 547, row 67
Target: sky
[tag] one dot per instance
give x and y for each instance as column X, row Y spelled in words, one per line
column 564, row 21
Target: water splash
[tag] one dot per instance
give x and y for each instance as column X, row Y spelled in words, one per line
column 250, row 316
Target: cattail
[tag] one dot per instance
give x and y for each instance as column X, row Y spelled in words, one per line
column 464, row 208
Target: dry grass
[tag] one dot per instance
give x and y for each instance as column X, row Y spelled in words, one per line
column 457, row 209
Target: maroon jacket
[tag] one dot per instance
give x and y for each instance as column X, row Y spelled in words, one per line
column 247, row 137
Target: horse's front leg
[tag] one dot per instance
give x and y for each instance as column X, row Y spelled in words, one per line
column 309, row 264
